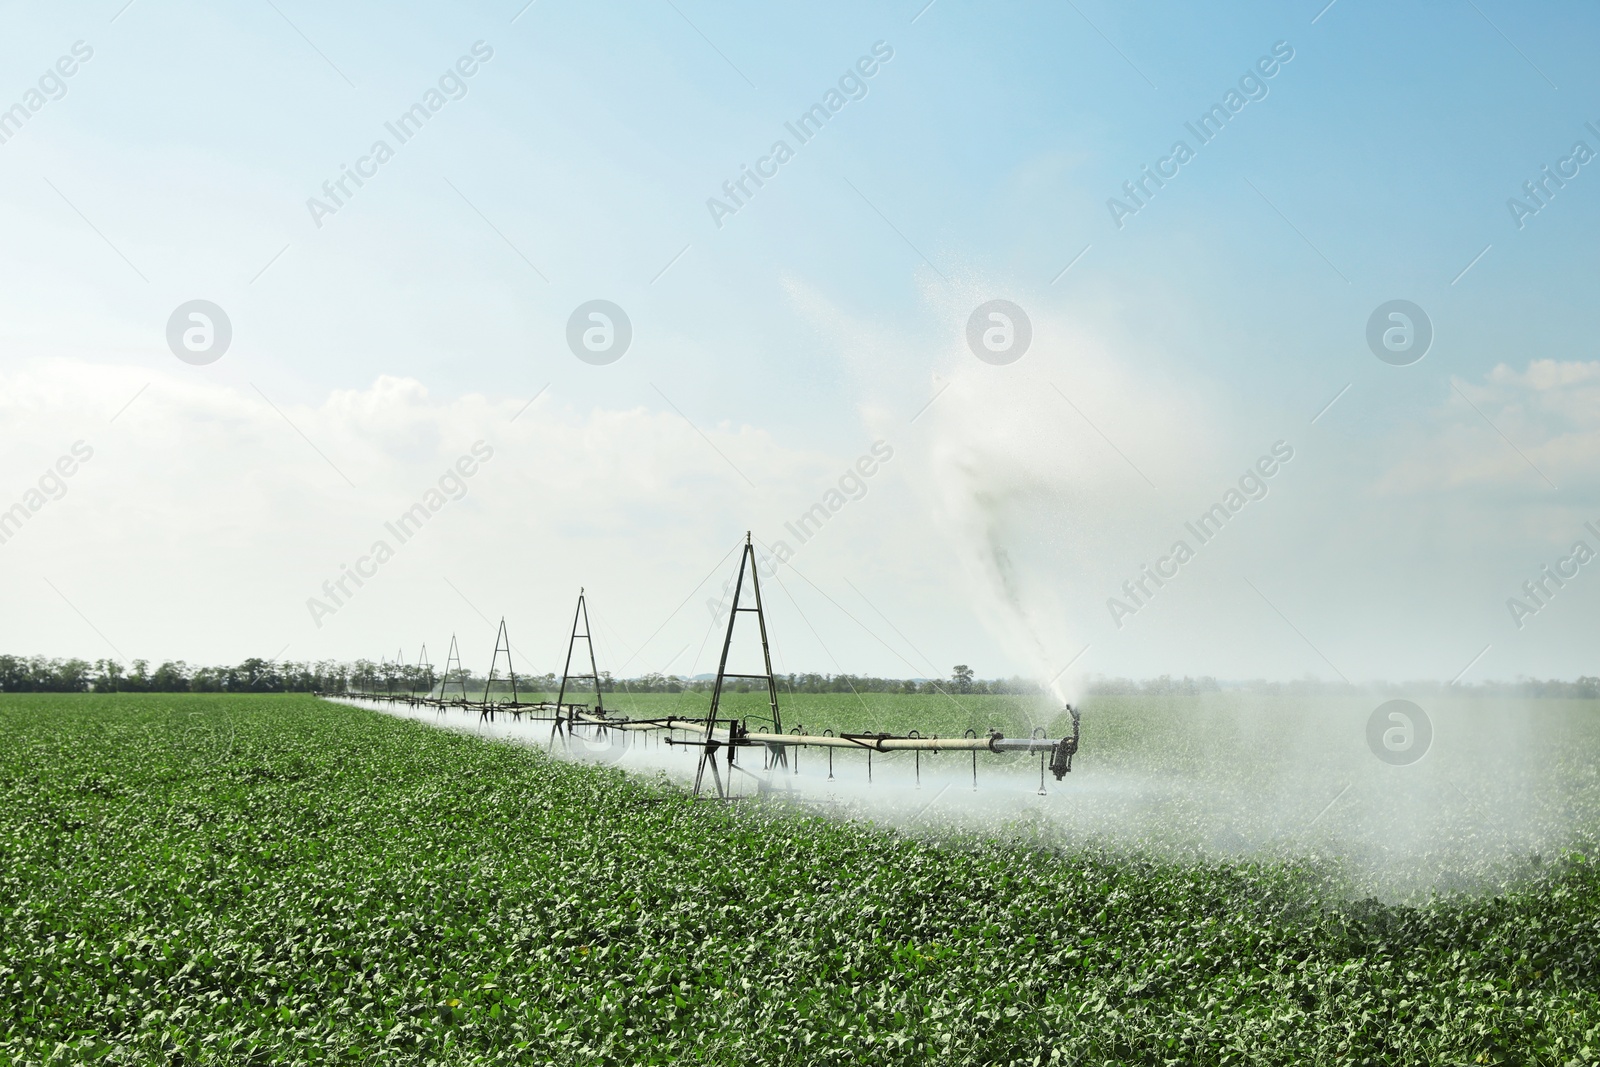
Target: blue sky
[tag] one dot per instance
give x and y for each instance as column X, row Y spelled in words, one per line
column 775, row 348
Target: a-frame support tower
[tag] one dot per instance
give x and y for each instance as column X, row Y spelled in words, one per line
column 453, row 657
column 502, row 640
column 423, row 673
column 564, row 716
column 708, row 753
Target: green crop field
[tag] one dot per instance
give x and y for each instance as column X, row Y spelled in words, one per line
column 248, row 880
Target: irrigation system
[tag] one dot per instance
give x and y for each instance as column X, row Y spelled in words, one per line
column 715, row 736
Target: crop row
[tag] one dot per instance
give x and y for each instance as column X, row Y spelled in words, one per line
column 203, row 879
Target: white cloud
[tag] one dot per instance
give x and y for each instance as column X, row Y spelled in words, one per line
column 1507, row 431
column 205, row 520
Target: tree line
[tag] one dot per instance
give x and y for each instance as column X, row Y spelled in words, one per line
column 37, row 674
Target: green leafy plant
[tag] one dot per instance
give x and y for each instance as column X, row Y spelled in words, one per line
column 271, row 879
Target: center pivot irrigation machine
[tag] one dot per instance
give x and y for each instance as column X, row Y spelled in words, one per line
column 716, row 734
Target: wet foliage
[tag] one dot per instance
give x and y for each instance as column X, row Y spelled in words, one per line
column 270, row 879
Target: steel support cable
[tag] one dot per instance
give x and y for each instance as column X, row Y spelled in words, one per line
column 686, row 600
column 789, row 685
column 870, row 632
column 933, row 682
column 855, row 620
column 711, row 628
column 615, row 636
column 779, row 579
column 606, row 651
column 890, row 623
column 626, row 688
column 779, row 651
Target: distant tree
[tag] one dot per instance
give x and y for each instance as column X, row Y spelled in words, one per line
column 364, row 675
column 255, row 675
column 138, row 679
column 961, row 678
column 73, row 675
column 209, row 680
column 170, row 677
column 107, row 676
